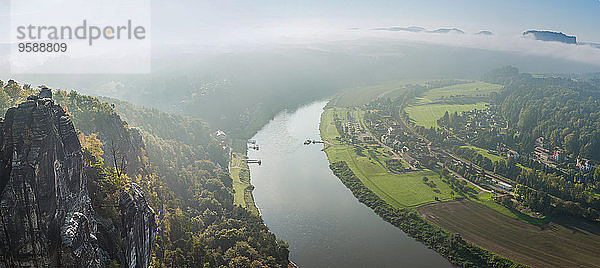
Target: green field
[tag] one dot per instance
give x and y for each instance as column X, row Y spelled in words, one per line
column 363, row 95
column 399, row 190
column 485, row 153
column 428, row 114
column 557, row 244
column 240, row 174
column 460, row 91
column 432, row 104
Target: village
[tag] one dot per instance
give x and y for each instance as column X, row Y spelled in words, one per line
column 416, row 148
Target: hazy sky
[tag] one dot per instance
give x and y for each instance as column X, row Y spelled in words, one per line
column 206, row 21
column 241, row 23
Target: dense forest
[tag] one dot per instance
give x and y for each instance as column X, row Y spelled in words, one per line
column 181, row 170
column 564, row 111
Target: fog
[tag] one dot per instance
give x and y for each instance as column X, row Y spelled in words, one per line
column 224, row 61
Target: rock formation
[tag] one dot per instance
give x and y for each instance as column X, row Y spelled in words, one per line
column 551, row 36
column 137, row 219
column 46, row 218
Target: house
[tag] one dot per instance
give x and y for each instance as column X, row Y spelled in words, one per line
column 539, row 142
column 584, row 164
column 505, row 186
column 512, row 153
column 557, row 155
column 220, row 135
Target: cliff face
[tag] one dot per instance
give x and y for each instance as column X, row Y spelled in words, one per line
column 46, row 218
column 137, row 225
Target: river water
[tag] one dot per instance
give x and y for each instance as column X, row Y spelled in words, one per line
column 302, row 202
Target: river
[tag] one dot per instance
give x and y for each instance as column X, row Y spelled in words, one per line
column 302, row 202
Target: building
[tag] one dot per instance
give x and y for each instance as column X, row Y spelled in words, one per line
column 512, row 153
column 505, row 186
column 584, row 164
column 220, row 135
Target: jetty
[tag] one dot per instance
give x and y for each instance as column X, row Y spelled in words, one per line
column 253, row 161
column 309, row 141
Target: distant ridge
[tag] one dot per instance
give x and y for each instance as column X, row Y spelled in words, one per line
column 447, row 30
column 595, row 45
column 484, row 33
column 414, row 29
column 417, row 29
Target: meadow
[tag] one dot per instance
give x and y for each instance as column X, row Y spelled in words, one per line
column 427, row 115
column 240, row 174
column 432, row 104
column 363, row 95
column 486, row 154
column 457, row 92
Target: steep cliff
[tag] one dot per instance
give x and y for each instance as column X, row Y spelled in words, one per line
column 46, row 218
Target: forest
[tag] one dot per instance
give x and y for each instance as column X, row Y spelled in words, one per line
column 180, row 168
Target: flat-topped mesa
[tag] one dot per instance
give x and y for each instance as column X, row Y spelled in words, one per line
column 46, row 215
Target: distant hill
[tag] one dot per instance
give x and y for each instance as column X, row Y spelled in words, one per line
column 551, row 36
column 448, row 30
column 414, row 29
column 596, row 45
column 484, row 33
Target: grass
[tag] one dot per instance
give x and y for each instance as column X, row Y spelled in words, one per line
column 460, row 91
column 363, row 95
column 428, row 114
column 399, row 190
column 558, row 244
column 485, row 153
column 432, row 104
column 240, row 174
column 486, row 199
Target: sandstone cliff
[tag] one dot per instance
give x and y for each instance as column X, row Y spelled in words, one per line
column 46, row 219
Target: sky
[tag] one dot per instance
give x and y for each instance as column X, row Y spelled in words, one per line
column 237, row 21
column 218, row 24
column 231, row 22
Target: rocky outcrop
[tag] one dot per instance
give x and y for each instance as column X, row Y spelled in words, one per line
column 137, row 219
column 550, row 36
column 46, row 219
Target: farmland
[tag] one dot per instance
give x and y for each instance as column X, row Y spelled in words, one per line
column 486, row 199
column 363, row 95
column 432, row 104
column 458, row 93
column 427, row 114
column 567, row 244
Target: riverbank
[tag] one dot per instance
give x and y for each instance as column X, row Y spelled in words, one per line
column 394, row 197
column 242, row 186
column 452, row 246
column 390, row 178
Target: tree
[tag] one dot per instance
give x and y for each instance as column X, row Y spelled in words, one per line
column 119, row 158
